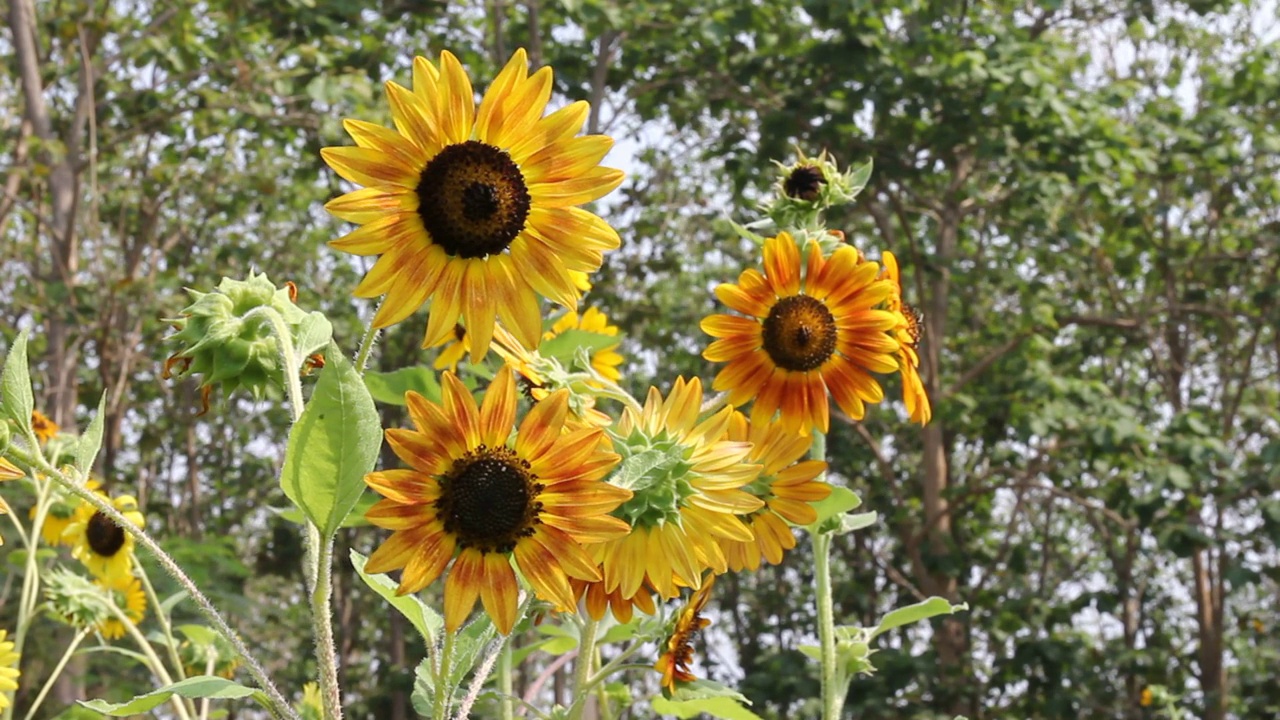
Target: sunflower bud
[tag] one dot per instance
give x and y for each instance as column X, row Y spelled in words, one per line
column 74, row 599
column 810, row 186
column 225, row 340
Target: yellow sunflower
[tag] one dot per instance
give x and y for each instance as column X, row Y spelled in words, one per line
column 9, row 471
column 675, row 660
column 126, row 592
column 787, row 485
column 104, row 547
column 533, row 372
column 44, row 428
column 472, row 208
column 804, row 336
column 456, row 347
column 598, row 601
column 605, row 360
column 908, row 332
column 688, row 494
column 8, row 669
column 470, row 491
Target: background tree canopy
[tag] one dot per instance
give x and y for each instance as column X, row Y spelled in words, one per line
column 1084, row 196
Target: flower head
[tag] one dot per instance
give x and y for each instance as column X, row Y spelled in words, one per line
column 787, row 485
column 804, row 336
column 102, row 545
column 8, row 669
column 675, row 660
column 127, row 594
column 908, row 331
column 474, row 208
column 474, row 492
column 44, row 428
column 688, row 484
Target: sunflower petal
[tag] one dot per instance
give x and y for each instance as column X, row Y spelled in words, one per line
column 462, row 587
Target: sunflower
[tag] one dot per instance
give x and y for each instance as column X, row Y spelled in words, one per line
column 8, row 669
column 908, row 332
column 787, row 485
column 471, row 491
column 474, row 208
column 687, row 483
column 9, row 471
column 104, row 547
column 801, row 342
column 674, row 662
column 44, row 428
column 605, row 360
column 127, row 594
column 537, row 375
column 456, row 347
column 598, row 601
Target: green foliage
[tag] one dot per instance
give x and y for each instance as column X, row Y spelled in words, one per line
column 203, row 686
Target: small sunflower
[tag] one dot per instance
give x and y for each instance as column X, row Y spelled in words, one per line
column 472, row 208
column 598, row 601
column 127, row 594
column 688, row 494
column 804, row 337
column 675, row 660
column 44, row 428
column 787, row 485
column 104, row 547
column 539, row 377
column 473, row 493
column 8, row 669
column 605, row 360
column 456, row 347
column 908, row 331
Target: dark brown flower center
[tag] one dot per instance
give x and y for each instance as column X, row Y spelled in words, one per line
column 800, row 333
column 804, row 183
column 104, row 536
column 472, row 199
column 488, row 499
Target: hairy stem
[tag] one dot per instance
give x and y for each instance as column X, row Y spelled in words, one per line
column 832, row 696
column 57, row 670
column 582, row 669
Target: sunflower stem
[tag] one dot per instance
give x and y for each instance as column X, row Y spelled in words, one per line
column 281, row 706
column 582, row 668
column 153, row 660
column 366, row 345
column 321, row 576
column 28, row 598
column 165, row 626
column 289, row 360
column 832, row 696
column 57, row 670
column 505, row 687
column 442, row 679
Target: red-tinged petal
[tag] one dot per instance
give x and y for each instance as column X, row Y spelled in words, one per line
column 460, row 406
column 457, row 101
column 413, row 283
column 590, row 185
column 541, row 568
column 396, row 551
column 387, row 233
column 430, row 559
column 590, row 529
column 446, row 304
column 367, row 167
column 462, row 587
column 499, row 592
column 368, row 204
column 498, row 412
column 570, row 555
column 390, row 515
column 566, row 159
column 490, row 115
column 542, row 424
column 404, row 486
column 782, row 265
column 729, row 326
column 563, row 123
column 414, row 119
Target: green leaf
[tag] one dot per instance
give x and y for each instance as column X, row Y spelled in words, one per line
column 203, row 686
column 932, row 607
column 332, row 446
column 390, row 387
column 355, row 518
column 841, row 500
column 16, row 399
column 198, row 634
column 314, row 332
column 91, row 441
column 851, row 522
column 561, row 639
column 563, row 346
column 424, row 619
column 719, row 707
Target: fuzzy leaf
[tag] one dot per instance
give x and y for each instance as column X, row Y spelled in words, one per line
column 203, row 686
column 16, row 399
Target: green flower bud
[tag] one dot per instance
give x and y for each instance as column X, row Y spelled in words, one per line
column 227, row 336
column 75, row 599
column 810, row 186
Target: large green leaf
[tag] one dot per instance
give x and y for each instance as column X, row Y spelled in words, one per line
column 91, row 441
column 390, row 387
column 332, row 445
column 202, row 686
column 16, row 400
column 424, row 619
column 932, row 607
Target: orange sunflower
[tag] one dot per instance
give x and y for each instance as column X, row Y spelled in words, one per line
column 688, row 484
column 804, row 336
column 675, row 660
column 787, row 485
column 44, row 428
column 472, row 493
column 472, row 208
column 908, row 332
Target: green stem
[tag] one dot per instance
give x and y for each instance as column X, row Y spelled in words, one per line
column 582, row 668
column 153, row 660
column 505, row 687
column 321, row 549
column 57, row 670
column 442, row 678
column 166, row 626
column 366, row 345
column 832, row 696
column 281, row 706
column 29, row 598
column 289, row 360
column 614, row 665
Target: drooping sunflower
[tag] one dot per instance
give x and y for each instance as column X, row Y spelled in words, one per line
column 474, row 209
column 9, row 672
column 126, row 592
column 104, row 547
column 688, row 484
column 598, row 601
column 675, row 660
column 605, row 360
column 44, row 428
column 908, row 333
column 804, row 336
column 471, row 492
column 787, row 485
